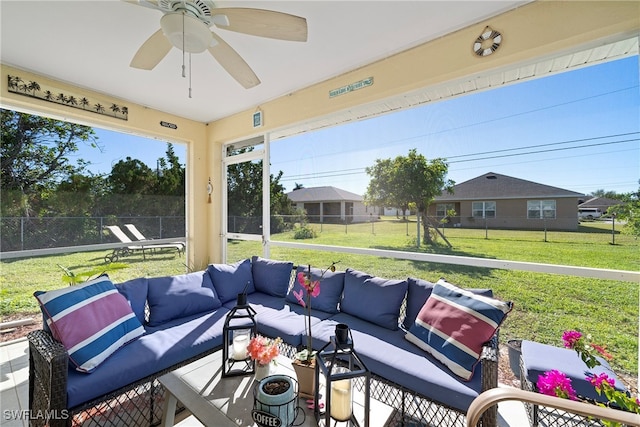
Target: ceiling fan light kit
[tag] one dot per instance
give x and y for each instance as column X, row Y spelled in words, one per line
column 186, row 32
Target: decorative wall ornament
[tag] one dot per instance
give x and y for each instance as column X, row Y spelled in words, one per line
column 487, row 42
column 33, row 89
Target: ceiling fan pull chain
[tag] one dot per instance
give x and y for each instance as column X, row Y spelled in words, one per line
column 189, row 75
column 183, row 73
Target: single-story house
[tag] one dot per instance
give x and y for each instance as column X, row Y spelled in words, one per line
column 602, row 203
column 331, row 205
column 500, row 201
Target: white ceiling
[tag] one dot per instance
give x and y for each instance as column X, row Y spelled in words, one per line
column 91, row 43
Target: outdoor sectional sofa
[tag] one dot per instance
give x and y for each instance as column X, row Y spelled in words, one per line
column 179, row 319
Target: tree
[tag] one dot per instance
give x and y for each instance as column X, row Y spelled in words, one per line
column 408, row 180
column 244, row 193
column 628, row 211
column 34, row 157
column 606, row 194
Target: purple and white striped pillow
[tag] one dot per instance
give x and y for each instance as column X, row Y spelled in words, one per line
column 91, row 320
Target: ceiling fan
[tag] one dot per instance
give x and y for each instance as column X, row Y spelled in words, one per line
column 185, row 24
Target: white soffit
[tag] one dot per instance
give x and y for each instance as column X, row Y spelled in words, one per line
column 543, row 67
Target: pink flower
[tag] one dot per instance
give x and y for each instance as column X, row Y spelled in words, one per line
column 597, row 380
column 556, row 383
column 570, row 338
column 299, row 297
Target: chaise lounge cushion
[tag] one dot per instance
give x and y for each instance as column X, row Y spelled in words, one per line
column 331, row 287
column 270, row 276
column 373, row 298
column 160, row 348
column 539, row 358
column 106, row 317
column 173, row 297
column 454, row 324
column 229, row 280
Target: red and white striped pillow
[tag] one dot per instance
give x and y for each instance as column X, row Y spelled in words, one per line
column 454, row 324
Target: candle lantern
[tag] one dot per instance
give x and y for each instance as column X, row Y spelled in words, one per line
column 342, row 369
column 239, row 327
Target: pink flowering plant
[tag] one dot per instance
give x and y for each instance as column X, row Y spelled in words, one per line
column 263, row 350
column 556, row 383
column 310, row 288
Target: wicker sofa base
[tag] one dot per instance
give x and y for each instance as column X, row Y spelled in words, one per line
column 137, row 404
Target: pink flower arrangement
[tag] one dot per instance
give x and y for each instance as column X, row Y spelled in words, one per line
column 556, row 383
column 311, row 288
column 263, row 350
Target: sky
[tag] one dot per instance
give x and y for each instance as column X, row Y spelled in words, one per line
column 578, row 130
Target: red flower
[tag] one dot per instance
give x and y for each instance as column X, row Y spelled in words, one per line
column 597, row 380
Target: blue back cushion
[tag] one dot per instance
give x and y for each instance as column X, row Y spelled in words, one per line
column 373, row 298
column 173, row 297
column 331, row 287
column 231, row 280
column 135, row 291
column 270, row 276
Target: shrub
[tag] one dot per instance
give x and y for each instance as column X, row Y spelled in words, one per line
column 304, row 232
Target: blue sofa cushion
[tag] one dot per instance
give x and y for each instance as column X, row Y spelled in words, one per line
column 160, row 348
column 372, row 298
column 106, row 319
column 135, row 291
column 331, row 287
column 230, row 280
column 388, row 354
column 454, row 324
column 277, row 318
column 418, row 292
column 270, row 276
column 539, row 358
column 172, row 297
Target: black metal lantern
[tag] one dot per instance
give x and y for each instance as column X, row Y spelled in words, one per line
column 239, row 328
column 341, row 367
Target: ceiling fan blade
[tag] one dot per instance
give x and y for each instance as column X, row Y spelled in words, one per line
column 151, row 52
column 263, row 23
column 233, row 63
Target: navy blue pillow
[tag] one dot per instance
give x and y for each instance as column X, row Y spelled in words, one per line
column 270, row 276
column 173, row 297
column 229, row 280
column 417, row 293
column 135, row 291
column 374, row 299
column 331, row 288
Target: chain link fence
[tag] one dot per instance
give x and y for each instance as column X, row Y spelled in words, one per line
column 24, row 233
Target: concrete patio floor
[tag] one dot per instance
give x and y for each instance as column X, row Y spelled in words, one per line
column 14, row 397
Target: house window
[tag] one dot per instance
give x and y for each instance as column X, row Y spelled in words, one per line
column 541, row 209
column 483, row 209
column 443, row 208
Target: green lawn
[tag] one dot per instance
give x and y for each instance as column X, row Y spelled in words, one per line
column 544, row 304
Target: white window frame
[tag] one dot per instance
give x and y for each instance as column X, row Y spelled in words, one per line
column 485, row 209
column 545, row 208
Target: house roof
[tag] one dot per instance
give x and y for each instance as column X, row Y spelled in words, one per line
column 323, row 194
column 599, row 202
column 495, row 186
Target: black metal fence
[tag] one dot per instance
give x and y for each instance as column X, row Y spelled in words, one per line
column 24, row 233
